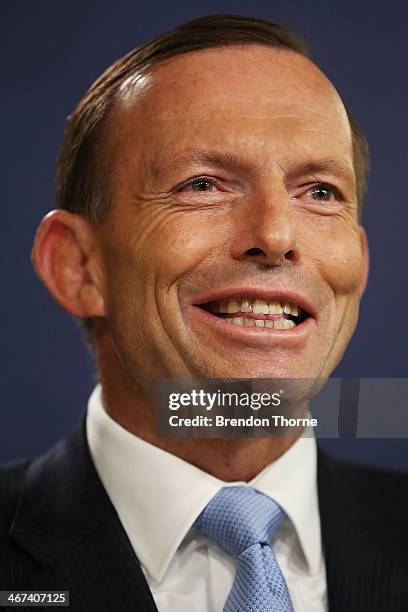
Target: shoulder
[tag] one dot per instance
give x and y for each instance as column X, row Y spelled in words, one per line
column 367, row 499
column 362, row 480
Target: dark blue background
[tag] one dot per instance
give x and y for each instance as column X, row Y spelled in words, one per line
column 52, row 51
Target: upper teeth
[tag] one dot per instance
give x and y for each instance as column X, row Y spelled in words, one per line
column 256, row 305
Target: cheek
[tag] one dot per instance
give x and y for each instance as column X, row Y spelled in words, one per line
column 176, row 243
column 337, row 253
column 156, row 249
column 148, row 262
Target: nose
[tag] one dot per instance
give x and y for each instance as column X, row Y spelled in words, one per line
column 265, row 227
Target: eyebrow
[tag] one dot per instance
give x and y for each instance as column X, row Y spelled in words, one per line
column 196, row 157
column 230, row 160
column 224, row 160
column 322, row 166
column 214, row 158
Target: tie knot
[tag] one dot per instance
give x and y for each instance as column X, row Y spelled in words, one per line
column 239, row 517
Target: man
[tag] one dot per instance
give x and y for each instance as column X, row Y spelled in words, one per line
column 209, row 197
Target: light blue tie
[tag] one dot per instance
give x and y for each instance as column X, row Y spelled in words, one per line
column 242, row 520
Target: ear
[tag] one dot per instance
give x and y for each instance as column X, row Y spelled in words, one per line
column 366, row 260
column 65, row 256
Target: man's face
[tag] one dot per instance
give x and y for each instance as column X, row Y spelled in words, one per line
column 233, row 190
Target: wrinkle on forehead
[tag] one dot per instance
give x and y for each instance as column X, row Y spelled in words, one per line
column 273, row 132
column 175, row 119
column 266, row 109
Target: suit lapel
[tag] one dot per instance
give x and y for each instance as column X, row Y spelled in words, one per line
column 66, row 522
column 366, row 563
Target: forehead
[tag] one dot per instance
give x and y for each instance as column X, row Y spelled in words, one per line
column 253, row 93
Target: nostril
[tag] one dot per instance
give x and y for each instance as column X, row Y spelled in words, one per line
column 255, row 251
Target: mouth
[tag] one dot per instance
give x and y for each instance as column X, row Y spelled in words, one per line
column 255, row 311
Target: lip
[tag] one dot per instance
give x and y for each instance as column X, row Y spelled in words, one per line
column 255, row 292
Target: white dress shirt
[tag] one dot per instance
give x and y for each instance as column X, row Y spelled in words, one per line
column 158, row 496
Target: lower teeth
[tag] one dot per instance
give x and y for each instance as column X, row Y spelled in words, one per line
column 276, row 324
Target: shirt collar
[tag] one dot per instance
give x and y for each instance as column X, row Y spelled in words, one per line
column 291, row 480
column 175, row 491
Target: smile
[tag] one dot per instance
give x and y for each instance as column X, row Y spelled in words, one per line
column 257, row 312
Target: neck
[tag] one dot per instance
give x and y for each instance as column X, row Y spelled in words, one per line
column 229, row 459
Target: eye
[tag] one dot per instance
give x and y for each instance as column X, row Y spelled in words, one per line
column 202, row 185
column 323, row 192
column 198, row 185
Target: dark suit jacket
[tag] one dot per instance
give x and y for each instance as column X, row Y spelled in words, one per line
column 59, row 531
